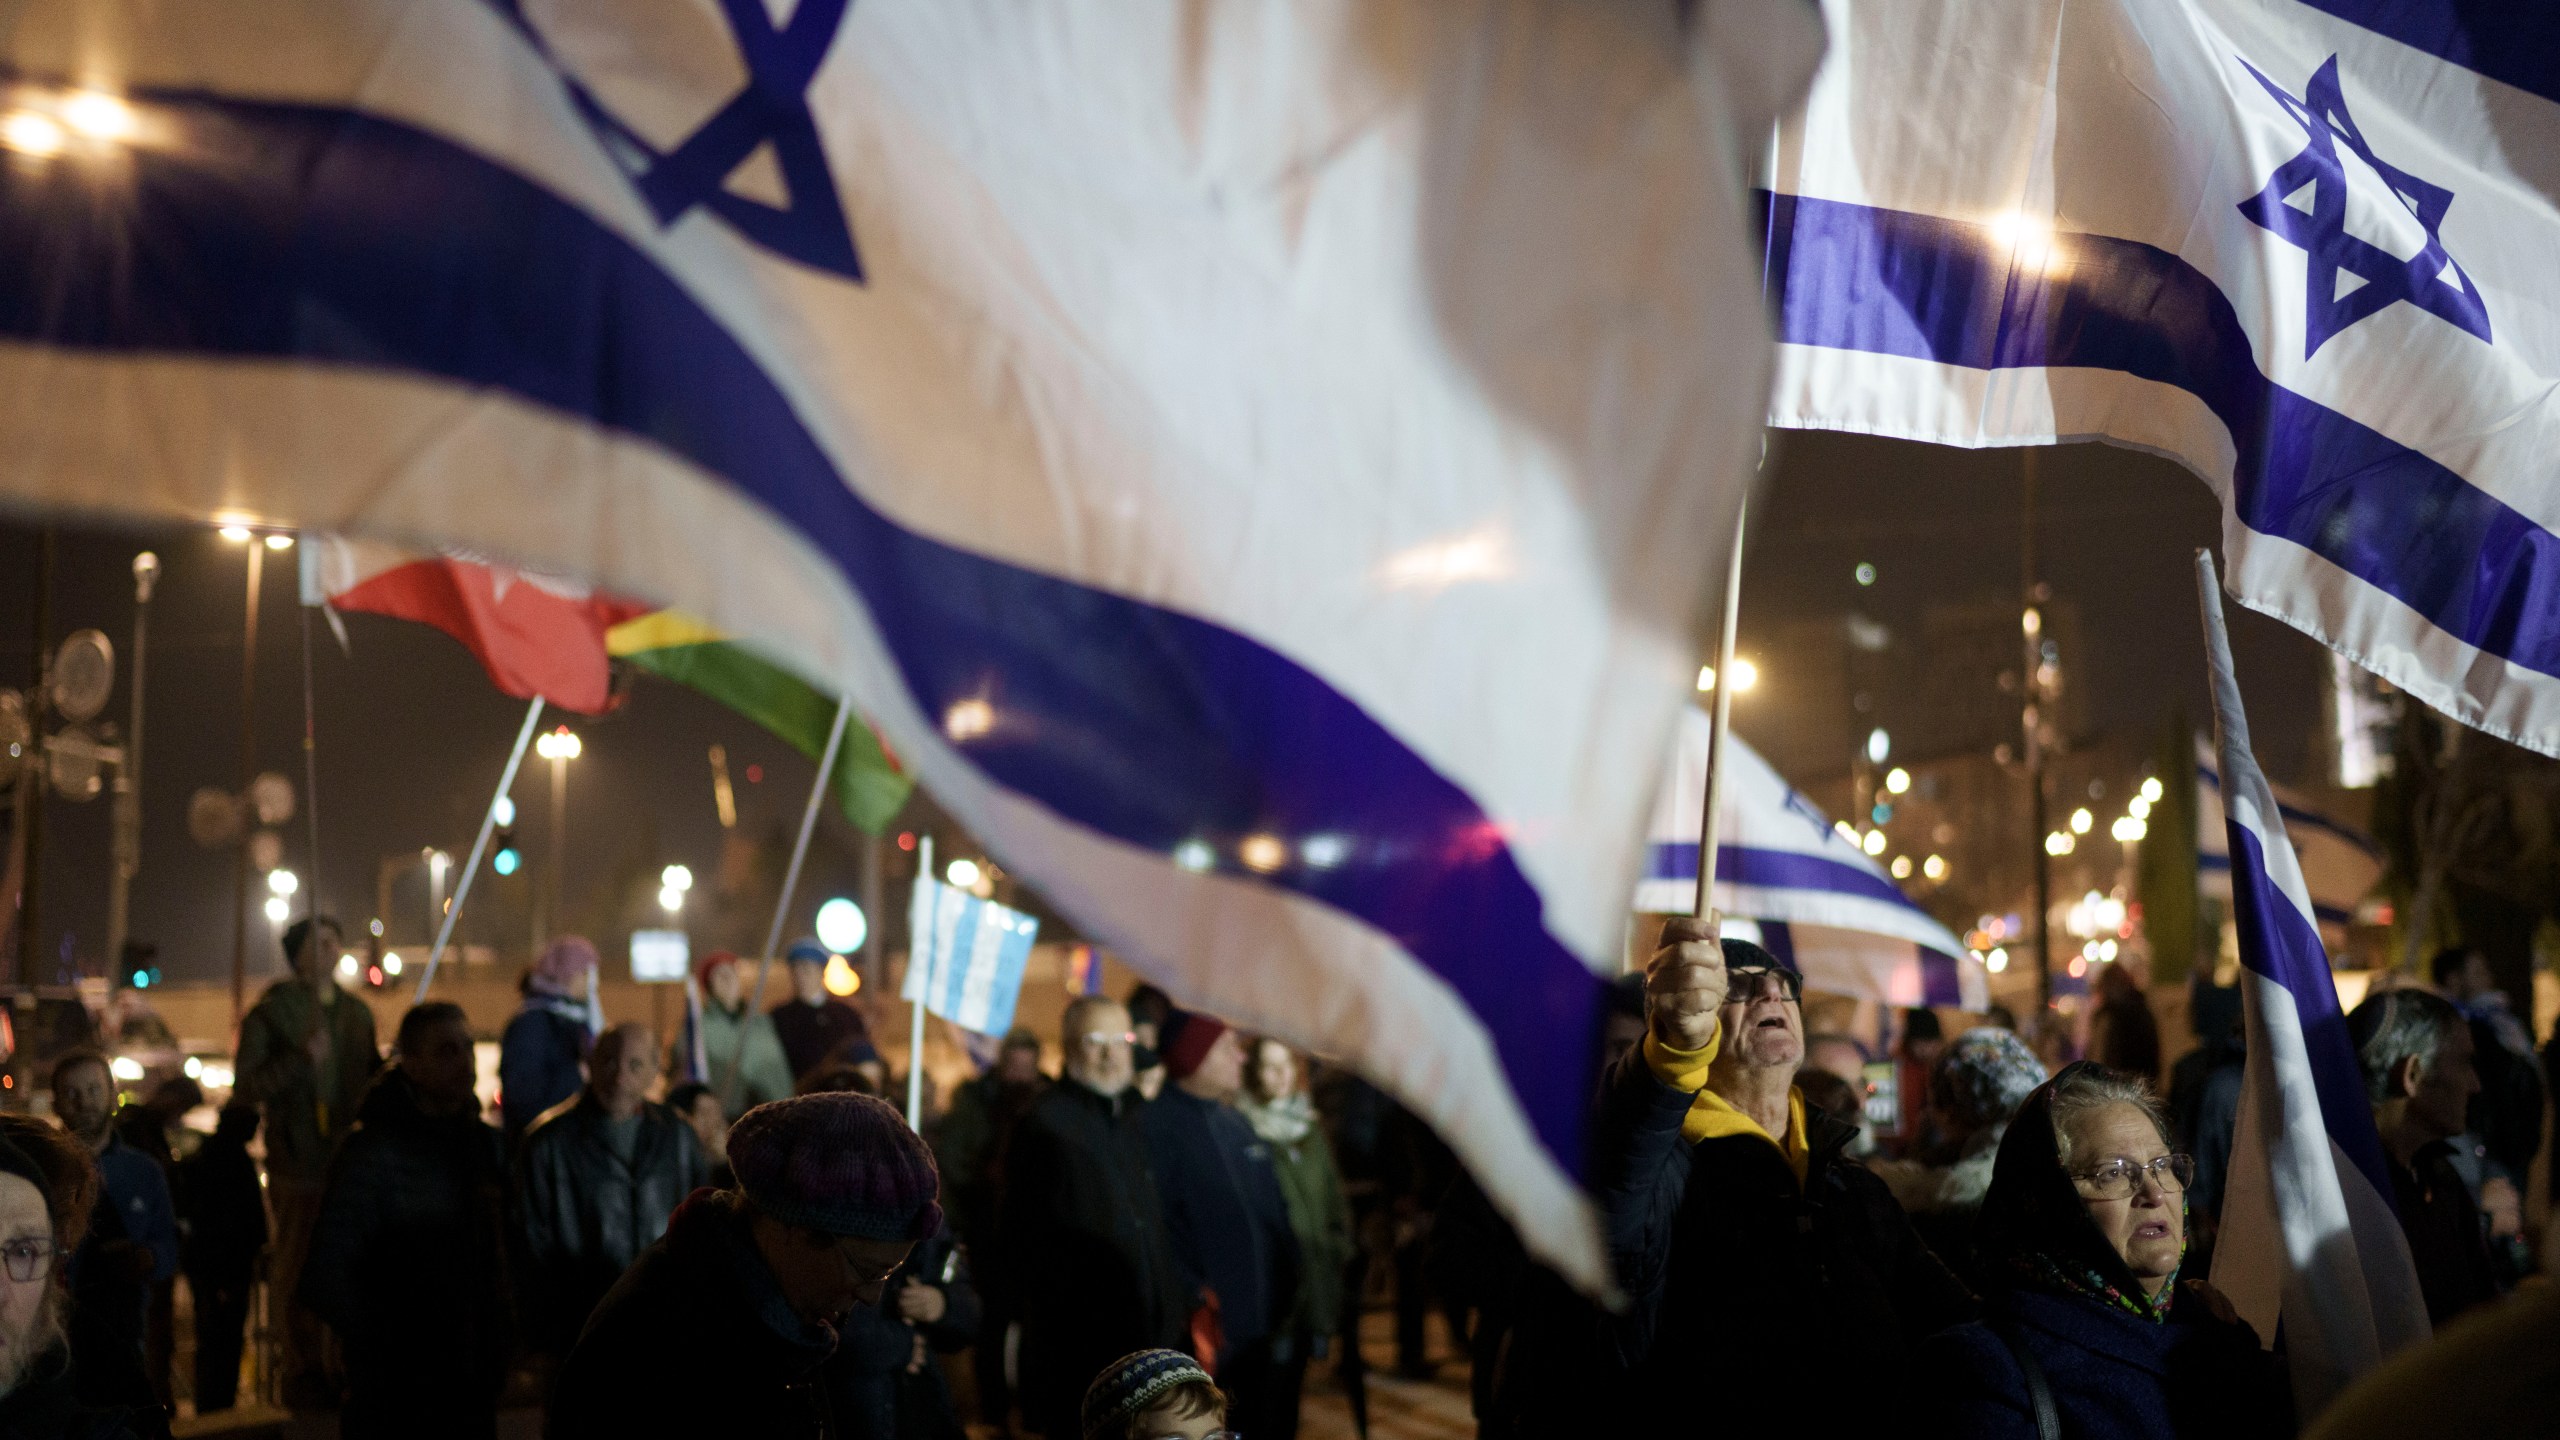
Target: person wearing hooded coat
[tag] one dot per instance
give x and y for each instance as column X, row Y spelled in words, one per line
column 1980, row 1081
column 2122, row 1347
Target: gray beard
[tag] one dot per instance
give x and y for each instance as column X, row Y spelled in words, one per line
column 43, row 1336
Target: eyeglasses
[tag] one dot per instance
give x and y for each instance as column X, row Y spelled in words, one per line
column 1106, row 1037
column 1212, row 1435
column 29, row 1260
column 2122, row 1179
column 1753, row 982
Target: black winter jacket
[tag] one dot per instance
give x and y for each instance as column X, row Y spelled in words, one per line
column 408, row 1258
column 1725, row 1259
column 696, row 1340
column 583, row 1214
column 42, row 1407
column 1225, row 1212
column 876, row 1397
column 1090, row 1265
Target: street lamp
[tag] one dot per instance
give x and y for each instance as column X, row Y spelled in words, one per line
column 559, row 747
column 673, row 882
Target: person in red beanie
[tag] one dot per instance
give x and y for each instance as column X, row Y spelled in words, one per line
column 737, row 1053
column 1229, row 1220
column 721, row 1326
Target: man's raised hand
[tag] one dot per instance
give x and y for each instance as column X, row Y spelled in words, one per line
column 1684, row 982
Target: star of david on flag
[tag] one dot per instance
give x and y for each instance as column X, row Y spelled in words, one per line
column 770, row 112
column 2145, row 221
column 2349, row 278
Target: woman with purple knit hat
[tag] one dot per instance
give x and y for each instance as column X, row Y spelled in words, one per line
column 544, row 1046
column 720, row 1327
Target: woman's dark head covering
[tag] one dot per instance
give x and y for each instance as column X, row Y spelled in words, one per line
column 2033, row 1214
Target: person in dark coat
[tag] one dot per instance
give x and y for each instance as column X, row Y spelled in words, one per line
column 2415, row 1051
column 226, row 1228
column 2082, row 1237
column 969, row 1145
column 143, row 1126
column 882, row 1379
column 409, row 1256
column 2204, row 1100
column 1229, row 1221
column 723, row 1326
column 543, row 1051
column 1737, row 1228
column 1090, row 1266
column 48, row 1191
column 813, row 1024
column 2123, row 1034
column 596, row 1179
column 132, row 1245
column 699, row 1107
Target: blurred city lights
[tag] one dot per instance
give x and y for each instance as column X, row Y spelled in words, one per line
column 347, row 966
column 279, row 542
column 1879, row 745
column 1897, row 780
column 842, row 927
column 30, row 133
column 1996, row 961
column 1874, row 844
column 1323, row 852
column 560, row 744
column 963, row 873
column 2059, row 843
column 390, row 962
column 236, row 534
column 1263, row 853
column 1866, row 573
column 277, row 910
column 1194, row 855
column 968, row 719
column 1935, row 867
column 840, row 978
column 2129, row 829
column 283, row 882
column 504, row 812
column 99, row 116
column 676, row 877
column 2081, row 820
column 2138, row 808
column 1901, row 867
column 2151, row 790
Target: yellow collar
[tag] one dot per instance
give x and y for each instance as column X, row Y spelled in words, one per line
column 1712, row 1116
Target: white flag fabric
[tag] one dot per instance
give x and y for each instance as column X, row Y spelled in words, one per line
column 1257, row 464
column 2339, row 862
column 2303, row 248
column 2310, row 1236
column 966, row 956
column 1815, row 899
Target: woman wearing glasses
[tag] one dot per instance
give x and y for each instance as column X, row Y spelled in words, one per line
column 2088, row 1329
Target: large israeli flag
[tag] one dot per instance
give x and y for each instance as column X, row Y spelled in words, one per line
column 1257, row 463
column 2304, row 248
column 2310, row 1240
column 1805, row 890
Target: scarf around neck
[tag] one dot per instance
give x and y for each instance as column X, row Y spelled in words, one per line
column 1284, row 1121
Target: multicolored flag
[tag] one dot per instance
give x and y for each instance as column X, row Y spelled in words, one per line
column 1259, row 465
column 2301, row 246
column 868, row 784
column 2311, row 1244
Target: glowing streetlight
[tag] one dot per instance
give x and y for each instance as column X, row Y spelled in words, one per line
column 964, row 874
column 31, row 133
column 842, row 927
column 1935, row 867
column 279, row 542
column 560, row 744
column 2081, row 820
column 1897, row 780
column 99, row 116
column 278, row 909
column 236, row 534
column 676, row 877
column 2151, row 790
column 283, row 882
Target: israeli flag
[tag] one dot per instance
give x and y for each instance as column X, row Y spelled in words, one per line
column 2310, row 1239
column 966, row 956
column 1798, row 884
column 2303, row 248
column 2339, row 861
column 1257, row 464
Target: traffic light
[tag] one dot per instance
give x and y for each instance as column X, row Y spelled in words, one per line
column 508, row 859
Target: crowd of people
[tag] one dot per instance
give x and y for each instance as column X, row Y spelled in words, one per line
column 1165, row 1238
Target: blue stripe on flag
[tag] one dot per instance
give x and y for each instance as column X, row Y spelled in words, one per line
column 1772, row 869
column 1938, row 982
column 2295, row 959
column 2328, row 914
column 2516, row 44
column 1888, row 282
column 329, row 236
column 2303, row 819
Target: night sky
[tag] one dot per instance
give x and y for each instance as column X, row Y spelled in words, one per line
column 411, row 734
